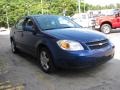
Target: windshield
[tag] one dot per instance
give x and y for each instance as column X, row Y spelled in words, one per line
column 47, row 22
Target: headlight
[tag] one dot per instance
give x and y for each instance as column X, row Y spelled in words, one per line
column 70, row 45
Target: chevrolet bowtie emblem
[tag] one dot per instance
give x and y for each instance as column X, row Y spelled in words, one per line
column 100, row 44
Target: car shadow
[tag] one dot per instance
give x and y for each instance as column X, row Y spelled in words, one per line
column 70, row 73
column 112, row 31
column 29, row 58
column 84, row 72
column 115, row 31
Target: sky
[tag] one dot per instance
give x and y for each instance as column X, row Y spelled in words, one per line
column 102, row 2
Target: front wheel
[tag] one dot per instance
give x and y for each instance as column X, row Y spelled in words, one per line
column 106, row 28
column 46, row 61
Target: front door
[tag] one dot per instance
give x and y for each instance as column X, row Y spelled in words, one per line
column 118, row 21
column 30, row 37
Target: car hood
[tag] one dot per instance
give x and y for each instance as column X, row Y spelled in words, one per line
column 78, row 34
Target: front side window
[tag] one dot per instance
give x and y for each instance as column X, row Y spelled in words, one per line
column 19, row 25
column 55, row 22
column 28, row 24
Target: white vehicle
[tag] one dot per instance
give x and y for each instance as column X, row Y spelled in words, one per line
column 2, row 29
column 83, row 20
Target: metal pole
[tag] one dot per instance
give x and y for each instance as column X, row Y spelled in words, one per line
column 84, row 6
column 79, row 5
column 27, row 8
column 42, row 6
column 7, row 19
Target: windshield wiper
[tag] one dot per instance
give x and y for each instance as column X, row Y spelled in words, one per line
column 57, row 28
column 50, row 28
column 67, row 27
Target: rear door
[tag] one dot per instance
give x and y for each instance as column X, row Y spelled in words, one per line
column 18, row 32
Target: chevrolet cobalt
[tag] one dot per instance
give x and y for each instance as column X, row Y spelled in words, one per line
column 57, row 41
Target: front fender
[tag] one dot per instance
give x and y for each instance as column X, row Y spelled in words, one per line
column 50, row 43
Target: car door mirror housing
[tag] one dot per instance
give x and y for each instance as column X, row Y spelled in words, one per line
column 28, row 28
column 117, row 15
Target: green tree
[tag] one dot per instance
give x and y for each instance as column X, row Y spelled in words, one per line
column 15, row 9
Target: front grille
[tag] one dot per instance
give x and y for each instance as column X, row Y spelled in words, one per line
column 98, row 44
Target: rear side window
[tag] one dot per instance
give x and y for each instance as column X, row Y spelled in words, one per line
column 19, row 25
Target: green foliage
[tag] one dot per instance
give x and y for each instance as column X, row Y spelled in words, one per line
column 15, row 9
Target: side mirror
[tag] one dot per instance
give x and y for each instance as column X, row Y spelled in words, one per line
column 116, row 15
column 28, row 28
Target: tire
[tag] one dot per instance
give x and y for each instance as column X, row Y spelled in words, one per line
column 46, row 61
column 13, row 47
column 106, row 28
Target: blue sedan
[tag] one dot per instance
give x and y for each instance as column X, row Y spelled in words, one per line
column 57, row 41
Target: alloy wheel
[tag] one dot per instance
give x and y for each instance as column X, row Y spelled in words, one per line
column 44, row 59
column 106, row 28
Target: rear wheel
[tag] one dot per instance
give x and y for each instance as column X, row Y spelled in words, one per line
column 46, row 61
column 106, row 28
column 13, row 46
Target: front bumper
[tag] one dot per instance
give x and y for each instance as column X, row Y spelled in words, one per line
column 86, row 58
column 97, row 26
